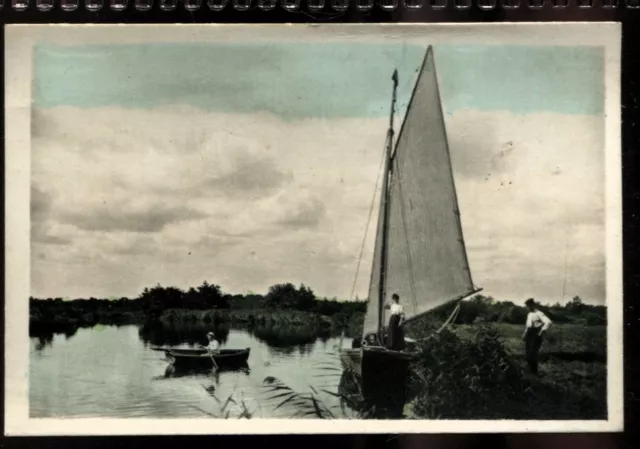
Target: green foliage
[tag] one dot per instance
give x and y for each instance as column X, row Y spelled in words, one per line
column 456, row 378
column 344, row 381
column 206, row 296
column 287, row 296
column 486, row 309
column 478, row 372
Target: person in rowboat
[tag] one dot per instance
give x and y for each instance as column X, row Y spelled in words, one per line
column 396, row 332
column 213, row 347
column 537, row 324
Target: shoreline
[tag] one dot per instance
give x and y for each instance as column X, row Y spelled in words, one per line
column 64, row 322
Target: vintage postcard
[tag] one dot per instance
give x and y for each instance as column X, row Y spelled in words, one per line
column 313, row 229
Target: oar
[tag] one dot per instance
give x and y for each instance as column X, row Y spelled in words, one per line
column 213, row 360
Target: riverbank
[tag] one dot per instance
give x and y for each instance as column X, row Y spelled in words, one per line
column 482, row 374
column 66, row 319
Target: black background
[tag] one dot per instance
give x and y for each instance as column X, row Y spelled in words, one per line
column 630, row 84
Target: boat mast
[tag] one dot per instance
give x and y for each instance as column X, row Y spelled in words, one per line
column 385, row 216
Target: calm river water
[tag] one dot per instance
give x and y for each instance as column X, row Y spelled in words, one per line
column 110, row 371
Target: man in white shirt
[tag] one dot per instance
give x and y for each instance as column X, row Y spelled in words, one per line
column 213, row 347
column 537, row 324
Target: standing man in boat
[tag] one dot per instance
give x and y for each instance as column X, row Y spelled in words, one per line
column 213, row 347
column 396, row 319
column 537, row 324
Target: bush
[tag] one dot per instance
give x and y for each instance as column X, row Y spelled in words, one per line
column 462, row 379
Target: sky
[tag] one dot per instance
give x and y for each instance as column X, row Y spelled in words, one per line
column 248, row 165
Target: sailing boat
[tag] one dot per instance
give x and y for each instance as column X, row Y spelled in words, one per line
column 419, row 250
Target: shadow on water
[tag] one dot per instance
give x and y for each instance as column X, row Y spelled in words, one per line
column 45, row 334
column 280, row 340
column 354, row 401
column 285, row 339
column 45, row 331
column 44, row 340
column 158, row 333
column 288, row 336
column 173, row 372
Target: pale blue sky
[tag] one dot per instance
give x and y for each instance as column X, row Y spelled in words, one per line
column 171, row 173
column 320, row 80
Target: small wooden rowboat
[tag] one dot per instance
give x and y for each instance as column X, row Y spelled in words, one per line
column 193, row 358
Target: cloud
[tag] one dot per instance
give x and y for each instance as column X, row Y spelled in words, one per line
column 531, row 193
column 304, row 214
column 247, row 174
column 151, row 219
column 177, row 195
column 41, row 229
column 40, row 204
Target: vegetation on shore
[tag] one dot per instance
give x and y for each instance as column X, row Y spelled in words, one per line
column 283, row 305
column 474, row 369
column 478, row 372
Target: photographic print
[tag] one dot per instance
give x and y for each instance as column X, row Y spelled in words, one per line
column 344, row 228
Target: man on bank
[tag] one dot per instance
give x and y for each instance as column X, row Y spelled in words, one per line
column 537, row 324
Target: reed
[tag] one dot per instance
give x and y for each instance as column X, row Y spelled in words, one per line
column 465, row 373
column 471, row 373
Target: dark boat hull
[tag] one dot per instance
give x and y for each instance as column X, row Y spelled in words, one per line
column 200, row 358
column 383, row 376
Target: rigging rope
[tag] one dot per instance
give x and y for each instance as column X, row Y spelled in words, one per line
column 366, row 229
column 566, row 250
column 452, row 318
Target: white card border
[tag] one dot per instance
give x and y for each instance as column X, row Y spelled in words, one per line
column 19, row 41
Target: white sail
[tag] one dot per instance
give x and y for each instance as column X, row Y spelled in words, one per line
column 426, row 260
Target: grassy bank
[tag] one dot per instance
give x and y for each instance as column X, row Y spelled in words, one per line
column 479, row 372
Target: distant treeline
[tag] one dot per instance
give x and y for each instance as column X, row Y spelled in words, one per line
column 485, row 308
column 159, row 301
column 154, row 302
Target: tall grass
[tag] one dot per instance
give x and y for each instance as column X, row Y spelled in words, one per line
column 473, row 373
column 344, row 386
column 224, row 410
column 464, row 373
column 465, row 379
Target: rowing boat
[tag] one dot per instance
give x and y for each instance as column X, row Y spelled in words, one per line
column 202, row 358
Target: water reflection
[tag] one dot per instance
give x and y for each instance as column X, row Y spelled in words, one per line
column 158, row 333
column 70, row 332
column 287, row 336
column 282, row 339
column 129, row 379
column 44, row 337
column 172, row 372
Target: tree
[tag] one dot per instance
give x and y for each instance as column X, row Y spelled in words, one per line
column 287, row 296
column 212, row 296
column 193, row 300
column 160, row 298
column 281, row 296
column 576, row 304
column 306, row 299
